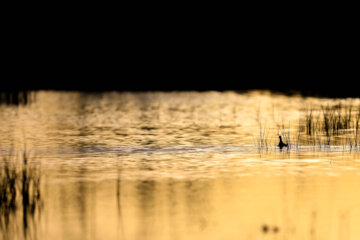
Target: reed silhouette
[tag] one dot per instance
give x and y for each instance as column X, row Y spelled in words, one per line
column 324, row 127
column 262, row 142
column 20, row 196
column 335, row 124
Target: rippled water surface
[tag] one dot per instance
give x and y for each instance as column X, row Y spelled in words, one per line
column 175, row 165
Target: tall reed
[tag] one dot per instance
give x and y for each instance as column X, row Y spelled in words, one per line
column 333, row 122
column 262, row 141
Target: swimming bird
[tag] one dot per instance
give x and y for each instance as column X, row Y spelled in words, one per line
column 281, row 144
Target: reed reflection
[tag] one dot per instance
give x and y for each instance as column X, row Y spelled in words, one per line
column 146, row 197
column 119, row 203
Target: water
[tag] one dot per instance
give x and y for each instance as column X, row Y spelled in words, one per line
column 177, row 165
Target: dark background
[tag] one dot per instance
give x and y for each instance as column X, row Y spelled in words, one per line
column 308, row 49
column 304, row 69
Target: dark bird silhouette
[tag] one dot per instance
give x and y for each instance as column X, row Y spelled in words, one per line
column 281, row 144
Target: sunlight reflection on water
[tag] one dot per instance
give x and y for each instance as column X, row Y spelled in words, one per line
column 180, row 165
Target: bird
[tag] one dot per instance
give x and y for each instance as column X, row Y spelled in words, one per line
column 281, row 144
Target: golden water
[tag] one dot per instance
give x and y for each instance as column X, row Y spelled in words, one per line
column 178, row 165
